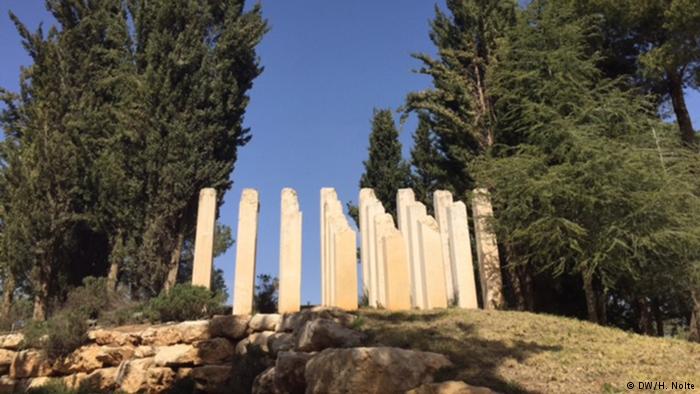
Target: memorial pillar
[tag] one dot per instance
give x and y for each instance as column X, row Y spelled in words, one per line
column 431, row 256
column 461, row 255
column 204, row 238
column 487, row 251
column 246, row 248
column 290, row 253
column 441, row 200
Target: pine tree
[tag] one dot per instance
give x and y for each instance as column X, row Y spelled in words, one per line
column 427, row 175
column 385, row 170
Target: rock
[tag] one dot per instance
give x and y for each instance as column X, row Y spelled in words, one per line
column 371, row 370
column 325, row 333
column 7, row 385
column 92, row 357
column 183, row 373
column 232, row 327
column 160, row 379
column 113, row 337
column 144, row 351
column 6, row 357
column 289, row 372
column 11, row 341
column 30, row 364
column 74, row 381
column 452, row 387
column 212, row 378
column 265, row 322
column 35, row 383
column 171, row 334
column 213, row 351
column 265, row 382
column 294, row 322
column 132, row 376
column 256, row 339
column 100, row 379
column 280, row 341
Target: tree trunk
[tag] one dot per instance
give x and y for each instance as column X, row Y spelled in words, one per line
column 41, row 290
column 8, row 294
column 695, row 317
column 174, row 264
column 591, row 298
column 658, row 316
column 675, row 89
column 114, row 258
column 644, row 325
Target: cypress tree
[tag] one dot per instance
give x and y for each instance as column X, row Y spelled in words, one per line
column 427, row 174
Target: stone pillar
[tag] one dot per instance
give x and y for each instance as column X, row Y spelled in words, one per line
column 374, row 209
column 366, row 197
column 246, row 249
column 398, row 277
column 289, row 299
column 344, row 259
column 487, row 251
column 441, row 200
column 204, row 238
column 461, row 255
column 431, row 256
column 334, row 213
column 326, row 194
column 416, row 211
column 383, row 226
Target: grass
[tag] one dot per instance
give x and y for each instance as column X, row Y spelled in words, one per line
column 519, row 352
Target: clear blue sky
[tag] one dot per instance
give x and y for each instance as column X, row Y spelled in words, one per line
column 327, row 65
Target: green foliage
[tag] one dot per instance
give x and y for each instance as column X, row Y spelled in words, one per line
column 427, row 175
column 58, row 336
column 183, row 302
column 265, row 299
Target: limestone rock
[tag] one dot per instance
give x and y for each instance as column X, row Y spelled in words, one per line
column 280, row 341
column 265, row 322
column 6, row 357
column 212, row 378
column 160, row 379
column 113, row 337
column 11, row 341
column 324, row 333
column 92, row 357
column 229, row 326
column 181, row 354
column 171, row 334
column 371, row 370
column 100, row 379
column 265, row 382
column 30, row 364
column 144, row 351
column 213, row 351
column 452, row 387
column 7, row 385
column 256, row 339
column 73, row 381
column 296, row 321
column 289, row 372
column 132, row 376
column 35, row 383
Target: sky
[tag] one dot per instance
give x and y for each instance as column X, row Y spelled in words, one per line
column 328, row 64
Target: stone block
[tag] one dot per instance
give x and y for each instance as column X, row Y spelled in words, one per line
column 432, row 262
column 246, row 249
column 416, row 212
column 398, row 277
column 461, row 255
column 442, row 199
column 487, row 251
column 290, row 253
column 204, row 239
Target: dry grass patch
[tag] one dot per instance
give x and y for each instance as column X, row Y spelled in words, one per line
column 518, row 352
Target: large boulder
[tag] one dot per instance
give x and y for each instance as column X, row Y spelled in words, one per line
column 171, row 334
column 99, row 379
column 11, row 341
column 160, row 379
column 265, row 322
column 293, row 322
column 265, row 382
column 6, row 357
column 325, row 333
column 7, row 385
column 280, row 342
column 289, row 372
column 132, row 376
column 371, row 370
column 213, row 351
column 92, row 357
column 259, row 339
column 233, row 327
column 451, row 387
column 212, row 378
column 30, row 364
column 106, row 337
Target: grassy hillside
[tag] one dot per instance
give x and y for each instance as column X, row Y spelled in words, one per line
column 517, row 352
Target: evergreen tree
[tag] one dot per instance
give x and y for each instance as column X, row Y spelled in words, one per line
column 385, row 170
column 427, row 175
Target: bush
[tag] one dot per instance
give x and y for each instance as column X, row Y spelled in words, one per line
column 20, row 314
column 184, row 302
column 265, row 299
column 58, row 336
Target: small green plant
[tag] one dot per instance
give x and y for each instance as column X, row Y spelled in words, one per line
column 184, row 302
column 58, row 336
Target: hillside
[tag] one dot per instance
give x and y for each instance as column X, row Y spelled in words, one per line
column 519, row 352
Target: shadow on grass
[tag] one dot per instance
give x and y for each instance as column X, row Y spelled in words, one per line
column 476, row 359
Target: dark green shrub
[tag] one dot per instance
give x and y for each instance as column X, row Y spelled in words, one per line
column 20, row 314
column 184, row 302
column 58, row 336
column 265, row 300
column 90, row 299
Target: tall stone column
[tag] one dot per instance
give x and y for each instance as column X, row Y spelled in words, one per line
column 344, row 258
column 416, row 211
column 289, row 299
column 374, row 209
column 326, row 194
column 366, row 197
column 334, row 213
column 431, row 256
column 441, row 200
column 383, row 226
column 204, row 238
column 487, row 250
column 398, row 277
column 461, row 255
column 246, row 249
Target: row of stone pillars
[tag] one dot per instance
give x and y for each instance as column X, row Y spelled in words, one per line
column 424, row 262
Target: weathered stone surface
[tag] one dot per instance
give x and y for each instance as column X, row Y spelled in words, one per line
column 132, row 376
column 170, row 334
column 280, row 341
column 374, row 208
column 100, row 379
column 289, row 372
column 451, row 387
column 366, row 196
column 265, row 382
column 324, row 333
column 265, row 322
column 212, row 378
column 487, row 251
column 398, row 276
column 382, row 370
column 92, row 357
column 175, row 355
column 327, row 194
column 344, row 266
column 7, row 385
column 461, row 255
column 246, row 249
column 415, row 212
column 35, row 383
column 256, row 339
column 30, row 364
column 160, row 379
column 432, row 262
column 213, row 351
column 11, row 341
column 113, row 337
column 229, row 326
column 204, row 238
column 73, row 381
column 295, row 322
column 383, row 225
column 290, row 253
column 6, row 357
column 442, row 199
column 144, row 351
